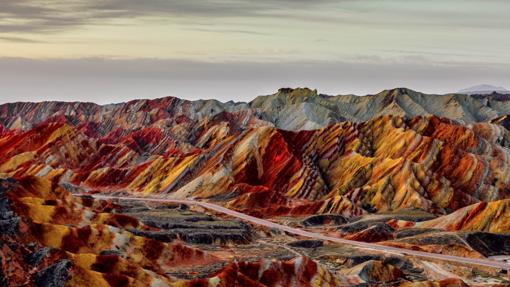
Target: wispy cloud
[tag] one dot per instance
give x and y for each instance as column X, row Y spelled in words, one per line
column 18, row 39
column 51, row 16
column 220, row 30
column 43, row 16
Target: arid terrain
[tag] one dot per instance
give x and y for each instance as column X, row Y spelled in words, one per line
column 291, row 189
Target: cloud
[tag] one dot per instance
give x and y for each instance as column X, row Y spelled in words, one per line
column 220, row 30
column 18, row 39
column 43, row 16
column 50, row 16
column 31, row 16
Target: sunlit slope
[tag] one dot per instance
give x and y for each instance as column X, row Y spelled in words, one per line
column 387, row 163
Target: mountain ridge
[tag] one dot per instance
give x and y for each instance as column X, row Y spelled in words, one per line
column 484, row 89
column 290, row 109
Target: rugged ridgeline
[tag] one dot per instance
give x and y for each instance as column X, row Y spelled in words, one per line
column 289, row 109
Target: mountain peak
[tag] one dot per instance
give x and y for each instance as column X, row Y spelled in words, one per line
column 397, row 92
column 298, row 91
column 484, row 89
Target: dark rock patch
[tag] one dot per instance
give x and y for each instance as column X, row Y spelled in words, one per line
column 9, row 226
column 323, row 219
column 414, row 231
column 489, row 244
column 306, row 243
column 177, row 223
column 110, row 252
column 3, row 280
column 55, row 275
column 353, row 259
column 105, row 263
column 368, row 231
column 9, row 222
column 198, row 236
column 355, row 226
column 375, row 233
column 37, row 257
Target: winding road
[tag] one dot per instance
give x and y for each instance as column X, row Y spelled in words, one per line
column 297, row 231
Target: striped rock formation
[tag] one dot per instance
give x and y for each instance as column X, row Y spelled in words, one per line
column 50, row 237
column 491, row 217
column 290, row 109
column 388, row 163
column 292, row 154
column 81, row 239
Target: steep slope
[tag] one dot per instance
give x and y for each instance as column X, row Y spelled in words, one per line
column 50, row 238
column 484, row 216
column 64, row 238
column 379, row 168
column 289, row 109
column 384, row 164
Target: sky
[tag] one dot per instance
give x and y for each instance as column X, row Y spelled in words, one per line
column 116, row 50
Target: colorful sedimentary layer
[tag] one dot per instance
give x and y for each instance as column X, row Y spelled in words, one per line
column 289, row 109
column 50, row 237
column 62, row 228
column 489, row 217
column 362, row 167
column 271, row 273
column 385, row 164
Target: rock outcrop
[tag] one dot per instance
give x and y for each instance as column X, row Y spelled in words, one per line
column 376, row 272
column 386, row 164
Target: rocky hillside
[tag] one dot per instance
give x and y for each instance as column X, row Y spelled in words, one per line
column 385, row 164
column 400, row 168
column 289, row 109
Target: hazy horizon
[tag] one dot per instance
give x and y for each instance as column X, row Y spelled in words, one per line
column 115, row 51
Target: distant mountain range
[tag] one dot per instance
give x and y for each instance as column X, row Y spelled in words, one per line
column 483, row 90
column 289, row 109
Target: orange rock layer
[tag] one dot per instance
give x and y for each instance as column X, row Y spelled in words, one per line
column 385, row 164
column 81, row 240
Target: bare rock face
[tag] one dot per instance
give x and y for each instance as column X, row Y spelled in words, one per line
column 37, row 257
column 375, row 233
column 9, row 222
column 63, row 241
column 290, row 109
column 306, row 243
column 347, row 169
column 199, row 235
column 452, row 282
column 300, row 271
column 414, row 232
column 374, row 272
column 488, row 244
column 174, row 223
column 324, row 219
column 483, row 216
column 55, row 275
